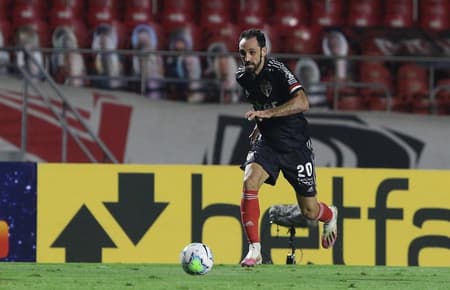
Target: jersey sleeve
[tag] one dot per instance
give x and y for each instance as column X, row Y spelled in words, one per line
column 289, row 80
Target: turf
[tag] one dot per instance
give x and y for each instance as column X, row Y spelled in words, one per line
column 154, row 276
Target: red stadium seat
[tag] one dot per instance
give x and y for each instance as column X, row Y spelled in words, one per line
column 177, row 12
column 290, row 13
column 434, row 14
column 399, row 13
column 76, row 6
column 252, row 12
column 135, row 15
column 215, row 12
column 327, row 12
column 302, row 40
column 364, row 13
column 412, row 80
column 113, row 4
column 227, row 33
column 4, row 9
column 348, row 97
column 26, row 13
column 98, row 15
column 351, row 103
column 60, row 14
column 143, row 4
column 375, row 73
column 412, row 87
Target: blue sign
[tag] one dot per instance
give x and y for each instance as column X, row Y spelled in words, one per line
column 18, row 209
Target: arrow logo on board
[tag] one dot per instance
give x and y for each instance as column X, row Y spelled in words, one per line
column 136, row 209
column 83, row 238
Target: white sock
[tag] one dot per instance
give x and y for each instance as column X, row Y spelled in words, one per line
column 254, row 250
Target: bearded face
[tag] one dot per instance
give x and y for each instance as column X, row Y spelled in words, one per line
column 252, row 54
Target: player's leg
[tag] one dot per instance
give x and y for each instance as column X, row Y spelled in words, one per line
column 313, row 209
column 299, row 169
column 254, row 177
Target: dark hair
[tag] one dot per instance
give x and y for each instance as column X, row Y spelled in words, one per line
column 253, row 32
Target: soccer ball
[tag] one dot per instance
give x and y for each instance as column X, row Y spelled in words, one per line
column 196, row 259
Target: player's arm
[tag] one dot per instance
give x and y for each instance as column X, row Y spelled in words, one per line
column 299, row 103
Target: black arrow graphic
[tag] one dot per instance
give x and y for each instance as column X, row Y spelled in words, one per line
column 83, row 238
column 136, row 209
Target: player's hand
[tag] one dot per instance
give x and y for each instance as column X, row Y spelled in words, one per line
column 259, row 115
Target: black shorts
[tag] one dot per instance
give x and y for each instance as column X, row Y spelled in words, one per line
column 297, row 166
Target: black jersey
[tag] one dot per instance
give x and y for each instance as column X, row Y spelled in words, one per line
column 274, row 86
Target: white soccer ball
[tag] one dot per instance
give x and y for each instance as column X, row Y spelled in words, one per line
column 196, row 259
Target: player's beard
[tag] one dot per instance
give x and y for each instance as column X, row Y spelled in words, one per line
column 251, row 67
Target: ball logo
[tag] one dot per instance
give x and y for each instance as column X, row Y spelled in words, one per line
column 4, row 240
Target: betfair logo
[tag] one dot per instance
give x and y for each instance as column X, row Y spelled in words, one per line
column 4, row 240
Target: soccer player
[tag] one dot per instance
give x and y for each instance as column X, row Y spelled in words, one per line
column 280, row 141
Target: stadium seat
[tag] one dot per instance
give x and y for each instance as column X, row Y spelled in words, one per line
column 76, row 6
column 177, row 12
column 289, row 13
column 5, row 10
column 137, row 15
column 351, row 103
column 62, row 14
column 399, row 13
column 327, row 12
column 421, row 105
column 143, row 4
column 411, row 89
column 434, row 14
column 375, row 73
column 252, row 13
column 412, row 80
column 26, row 13
column 348, row 97
column 302, row 40
column 113, row 4
column 98, row 15
column 215, row 12
column 364, row 13
column 227, row 33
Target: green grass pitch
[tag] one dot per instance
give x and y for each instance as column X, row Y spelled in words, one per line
column 169, row 276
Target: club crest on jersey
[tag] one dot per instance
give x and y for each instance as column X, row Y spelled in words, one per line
column 266, row 88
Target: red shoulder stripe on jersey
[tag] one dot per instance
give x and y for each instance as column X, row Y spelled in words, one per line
column 294, row 87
